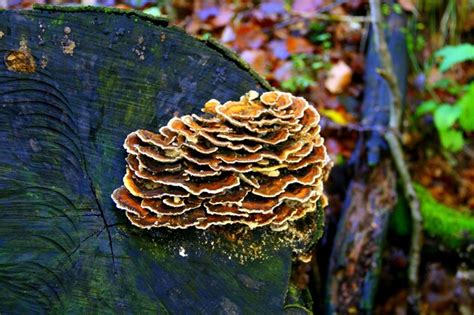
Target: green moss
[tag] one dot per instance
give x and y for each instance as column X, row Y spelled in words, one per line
column 298, row 301
column 451, row 226
column 59, row 20
column 162, row 21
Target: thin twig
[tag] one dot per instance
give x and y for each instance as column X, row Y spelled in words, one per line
column 328, row 124
column 323, row 17
column 332, row 6
column 397, row 152
column 414, row 204
column 340, row 18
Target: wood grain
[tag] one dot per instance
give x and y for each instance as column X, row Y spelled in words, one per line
column 64, row 247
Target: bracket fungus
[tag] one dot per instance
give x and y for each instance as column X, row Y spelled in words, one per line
column 255, row 162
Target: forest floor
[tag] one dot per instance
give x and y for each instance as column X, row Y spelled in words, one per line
column 316, row 49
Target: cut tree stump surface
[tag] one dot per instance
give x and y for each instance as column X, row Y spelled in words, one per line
column 73, row 83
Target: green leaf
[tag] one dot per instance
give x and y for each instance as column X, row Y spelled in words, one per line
column 449, row 85
column 397, row 8
column 426, row 107
column 445, row 116
column 420, row 43
column 317, row 65
column 154, row 11
column 289, row 85
column 451, row 140
column 297, row 83
column 466, row 103
column 299, row 61
column 443, row 83
column 323, row 37
column 455, row 54
column 385, row 9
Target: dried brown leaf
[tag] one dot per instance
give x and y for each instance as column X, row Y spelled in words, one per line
column 258, row 59
column 339, row 77
column 298, row 45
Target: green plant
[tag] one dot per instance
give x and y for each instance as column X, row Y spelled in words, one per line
column 455, row 54
column 414, row 41
column 154, row 11
column 305, row 69
column 319, row 36
column 452, row 120
column 297, row 83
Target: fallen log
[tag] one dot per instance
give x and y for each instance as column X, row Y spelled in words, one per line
column 356, row 257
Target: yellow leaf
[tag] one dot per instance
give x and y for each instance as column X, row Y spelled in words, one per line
column 336, row 116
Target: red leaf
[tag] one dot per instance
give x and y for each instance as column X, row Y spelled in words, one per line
column 257, row 59
column 249, row 35
column 298, row 45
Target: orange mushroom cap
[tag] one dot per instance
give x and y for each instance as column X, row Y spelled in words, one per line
column 257, row 161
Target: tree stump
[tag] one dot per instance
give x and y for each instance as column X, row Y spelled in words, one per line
column 73, row 83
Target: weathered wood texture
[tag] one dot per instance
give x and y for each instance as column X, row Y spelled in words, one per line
column 356, row 258
column 98, row 75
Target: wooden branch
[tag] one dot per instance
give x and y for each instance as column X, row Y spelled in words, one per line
column 340, row 18
column 323, row 17
column 414, row 204
column 397, row 152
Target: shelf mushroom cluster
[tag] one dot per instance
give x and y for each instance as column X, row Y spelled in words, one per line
column 256, row 162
